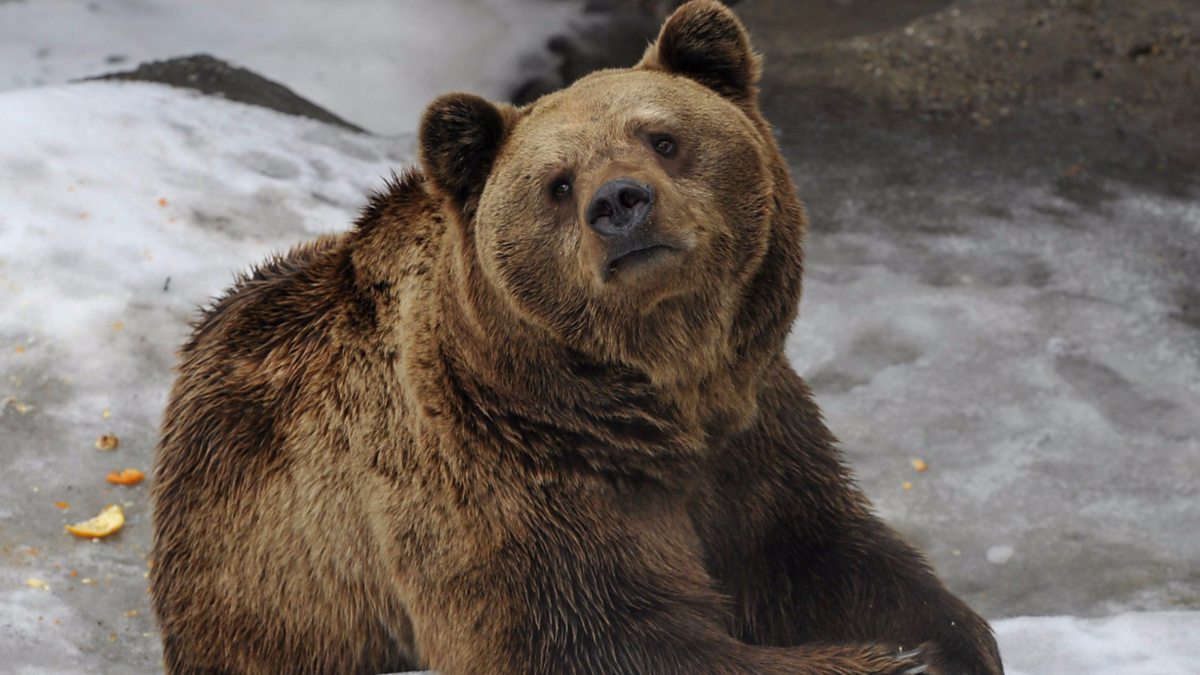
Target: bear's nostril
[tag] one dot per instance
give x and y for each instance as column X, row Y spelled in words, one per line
column 631, row 197
column 620, row 207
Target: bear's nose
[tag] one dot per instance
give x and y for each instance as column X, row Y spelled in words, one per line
column 620, row 207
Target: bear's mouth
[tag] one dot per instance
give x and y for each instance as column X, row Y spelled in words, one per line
column 621, row 260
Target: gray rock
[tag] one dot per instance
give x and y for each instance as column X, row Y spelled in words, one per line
column 215, row 77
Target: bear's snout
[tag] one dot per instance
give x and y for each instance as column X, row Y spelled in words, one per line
column 620, row 214
column 620, row 207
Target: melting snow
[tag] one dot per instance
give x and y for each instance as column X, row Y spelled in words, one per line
column 374, row 62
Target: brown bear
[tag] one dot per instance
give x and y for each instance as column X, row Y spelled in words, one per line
column 532, row 415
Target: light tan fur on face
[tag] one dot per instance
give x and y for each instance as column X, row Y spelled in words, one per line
column 712, row 200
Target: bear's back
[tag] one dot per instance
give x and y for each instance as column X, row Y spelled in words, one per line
column 276, row 380
column 289, row 337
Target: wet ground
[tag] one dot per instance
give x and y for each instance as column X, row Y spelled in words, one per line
column 1004, row 274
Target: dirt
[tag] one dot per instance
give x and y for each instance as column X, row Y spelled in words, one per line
column 986, row 60
column 1097, row 83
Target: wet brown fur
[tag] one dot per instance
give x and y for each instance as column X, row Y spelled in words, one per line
column 439, row 441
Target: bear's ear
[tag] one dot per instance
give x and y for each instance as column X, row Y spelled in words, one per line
column 704, row 41
column 460, row 136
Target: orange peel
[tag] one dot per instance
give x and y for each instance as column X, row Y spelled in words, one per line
column 126, row 477
column 109, row 521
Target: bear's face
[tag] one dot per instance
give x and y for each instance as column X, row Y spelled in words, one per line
column 628, row 213
column 629, row 189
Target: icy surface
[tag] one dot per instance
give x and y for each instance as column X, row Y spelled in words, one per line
column 376, row 63
column 1150, row 643
column 1036, row 341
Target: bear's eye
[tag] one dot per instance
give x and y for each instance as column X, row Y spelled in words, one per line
column 560, row 188
column 663, row 145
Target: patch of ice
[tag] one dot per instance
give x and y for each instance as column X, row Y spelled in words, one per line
column 1044, row 360
column 1149, row 643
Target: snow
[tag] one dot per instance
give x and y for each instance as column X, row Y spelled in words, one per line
column 374, row 62
column 209, row 189
column 124, row 207
column 1149, row 643
column 1038, row 349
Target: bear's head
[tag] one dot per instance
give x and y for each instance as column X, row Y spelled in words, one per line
column 642, row 215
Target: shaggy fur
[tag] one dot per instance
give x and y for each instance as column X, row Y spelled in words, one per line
column 450, row 439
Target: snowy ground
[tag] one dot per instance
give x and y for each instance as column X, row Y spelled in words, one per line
column 1033, row 339
column 1148, row 643
column 1030, row 339
column 109, row 241
column 376, row 62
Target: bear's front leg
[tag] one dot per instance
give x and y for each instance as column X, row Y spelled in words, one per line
column 793, row 541
column 567, row 576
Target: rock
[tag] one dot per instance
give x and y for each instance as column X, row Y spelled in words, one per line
column 215, row 77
